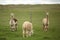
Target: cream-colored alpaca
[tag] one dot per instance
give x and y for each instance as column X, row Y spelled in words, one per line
column 27, row 29
column 45, row 23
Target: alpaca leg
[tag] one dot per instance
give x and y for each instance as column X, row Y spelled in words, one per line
column 26, row 33
column 11, row 28
column 46, row 28
column 30, row 33
column 15, row 27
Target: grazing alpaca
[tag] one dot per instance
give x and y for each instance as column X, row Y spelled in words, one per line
column 45, row 23
column 27, row 29
column 13, row 23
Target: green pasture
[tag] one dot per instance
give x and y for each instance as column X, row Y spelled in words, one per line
column 37, row 13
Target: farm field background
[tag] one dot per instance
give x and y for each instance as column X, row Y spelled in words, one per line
column 23, row 13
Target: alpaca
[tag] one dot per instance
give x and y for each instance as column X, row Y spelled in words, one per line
column 45, row 23
column 27, row 29
column 13, row 23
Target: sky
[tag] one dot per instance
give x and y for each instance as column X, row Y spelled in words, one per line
column 29, row 2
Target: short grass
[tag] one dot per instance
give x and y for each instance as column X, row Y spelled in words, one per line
column 22, row 13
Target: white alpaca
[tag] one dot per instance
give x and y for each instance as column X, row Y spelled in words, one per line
column 27, row 29
column 13, row 23
column 45, row 23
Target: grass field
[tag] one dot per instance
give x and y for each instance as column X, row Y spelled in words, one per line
column 22, row 13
